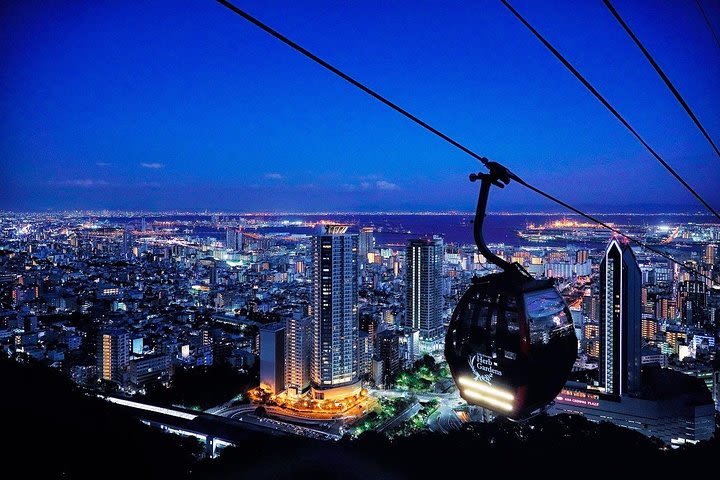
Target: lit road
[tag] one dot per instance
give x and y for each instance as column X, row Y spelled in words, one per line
column 444, row 420
column 409, row 412
column 246, row 414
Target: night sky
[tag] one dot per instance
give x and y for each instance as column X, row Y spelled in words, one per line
column 184, row 105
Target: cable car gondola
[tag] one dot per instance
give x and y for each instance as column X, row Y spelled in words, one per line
column 511, row 343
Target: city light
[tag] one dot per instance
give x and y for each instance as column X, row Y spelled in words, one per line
column 485, row 388
column 150, row 408
column 505, row 406
column 204, row 237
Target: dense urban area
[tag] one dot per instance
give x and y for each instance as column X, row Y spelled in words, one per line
column 222, row 327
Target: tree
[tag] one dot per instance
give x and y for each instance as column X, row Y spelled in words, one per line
column 58, row 432
column 204, row 387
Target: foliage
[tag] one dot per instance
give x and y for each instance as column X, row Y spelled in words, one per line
column 57, row 432
column 418, row 423
column 423, row 377
column 544, row 446
column 203, row 387
column 388, row 408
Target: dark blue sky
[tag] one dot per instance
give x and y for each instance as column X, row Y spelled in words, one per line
column 164, row 105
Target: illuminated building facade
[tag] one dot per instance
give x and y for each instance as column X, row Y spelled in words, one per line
column 581, row 256
column 675, row 337
column 590, row 305
column 424, row 294
column 137, row 345
column 272, row 357
column 649, row 329
column 366, row 347
column 692, row 299
column 150, row 369
column 298, row 349
column 620, row 320
column 591, row 332
column 711, row 254
column 665, row 308
column 234, row 239
column 113, row 355
column 366, row 243
column 673, row 407
column 334, row 364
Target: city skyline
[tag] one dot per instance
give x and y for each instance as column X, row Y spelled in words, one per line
column 224, row 334
column 300, row 239
column 260, row 128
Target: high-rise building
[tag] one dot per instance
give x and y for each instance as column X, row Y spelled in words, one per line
column 334, row 366
column 670, row 405
column 649, row 329
column 409, row 347
column 424, row 298
column 366, row 243
column 581, row 256
column 234, row 238
column 388, row 348
column 369, row 324
column 126, row 242
column 113, row 355
column 665, row 308
column 591, row 332
column 366, row 348
column 272, row 357
column 213, row 274
column 692, row 300
column 620, row 320
column 711, row 253
column 298, row 349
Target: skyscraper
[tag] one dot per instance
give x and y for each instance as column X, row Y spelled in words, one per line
column 424, row 299
column 126, row 242
column 366, row 243
column 692, row 299
column 620, row 320
column 711, row 253
column 234, row 238
column 272, row 357
column 298, row 350
column 334, row 366
column 113, row 355
column 213, row 274
column 388, row 347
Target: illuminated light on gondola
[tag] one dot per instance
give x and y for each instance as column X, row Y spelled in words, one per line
column 510, row 345
column 492, row 402
column 486, row 389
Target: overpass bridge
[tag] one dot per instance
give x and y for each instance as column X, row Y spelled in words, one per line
column 232, row 426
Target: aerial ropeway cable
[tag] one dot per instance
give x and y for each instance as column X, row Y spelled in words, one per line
column 707, row 22
column 607, row 105
column 445, row 137
column 664, row 77
column 511, row 342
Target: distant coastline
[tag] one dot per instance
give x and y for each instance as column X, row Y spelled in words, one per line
column 507, row 213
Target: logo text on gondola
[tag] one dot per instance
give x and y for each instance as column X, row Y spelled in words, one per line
column 482, row 367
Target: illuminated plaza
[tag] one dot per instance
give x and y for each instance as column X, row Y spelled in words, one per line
column 348, row 408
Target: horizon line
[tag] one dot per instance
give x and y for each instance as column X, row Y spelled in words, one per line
column 104, row 212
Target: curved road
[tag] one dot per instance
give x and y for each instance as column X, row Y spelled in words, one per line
column 246, row 414
column 444, row 420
